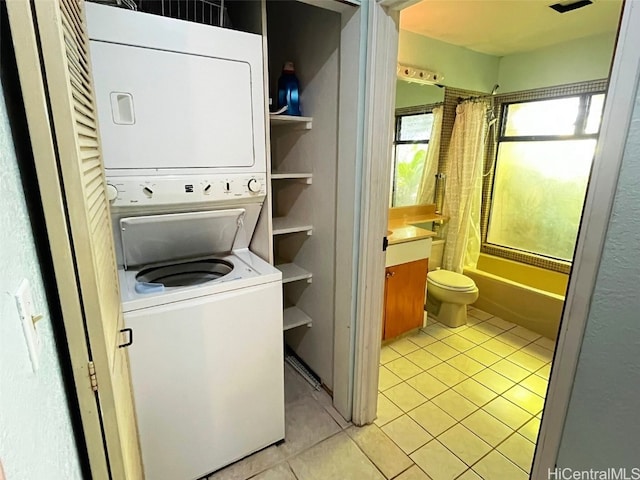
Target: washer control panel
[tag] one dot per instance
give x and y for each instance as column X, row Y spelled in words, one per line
column 180, row 189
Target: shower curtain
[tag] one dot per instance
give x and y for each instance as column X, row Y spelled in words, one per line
column 427, row 189
column 464, row 186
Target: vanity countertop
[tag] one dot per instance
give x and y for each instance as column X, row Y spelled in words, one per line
column 407, row 233
column 402, row 223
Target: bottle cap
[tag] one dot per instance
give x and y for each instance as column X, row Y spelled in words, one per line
column 288, row 67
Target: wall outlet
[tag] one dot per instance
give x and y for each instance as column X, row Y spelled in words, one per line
column 26, row 310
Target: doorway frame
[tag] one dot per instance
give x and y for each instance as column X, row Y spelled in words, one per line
column 623, row 84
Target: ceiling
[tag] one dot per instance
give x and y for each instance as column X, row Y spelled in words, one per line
column 503, row 27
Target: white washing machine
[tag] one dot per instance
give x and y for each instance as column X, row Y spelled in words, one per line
column 206, row 319
column 182, row 122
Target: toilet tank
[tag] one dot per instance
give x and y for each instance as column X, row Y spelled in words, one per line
column 437, row 250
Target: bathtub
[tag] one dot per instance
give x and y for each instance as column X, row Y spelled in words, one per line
column 523, row 294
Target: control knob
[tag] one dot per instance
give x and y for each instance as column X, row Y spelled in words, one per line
column 254, row 185
column 112, row 192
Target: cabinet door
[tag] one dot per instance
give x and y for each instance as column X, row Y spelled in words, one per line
column 404, row 297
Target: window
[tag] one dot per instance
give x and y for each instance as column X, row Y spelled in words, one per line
column 410, row 152
column 544, row 156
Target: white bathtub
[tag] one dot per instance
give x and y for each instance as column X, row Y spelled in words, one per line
column 523, row 294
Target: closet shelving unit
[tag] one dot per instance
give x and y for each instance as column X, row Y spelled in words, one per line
column 290, row 126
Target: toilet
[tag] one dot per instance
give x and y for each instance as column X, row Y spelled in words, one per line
column 448, row 294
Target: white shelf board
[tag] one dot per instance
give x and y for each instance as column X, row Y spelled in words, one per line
column 292, row 273
column 282, row 225
column 294, row 317
column 291, row 121
column 305, row 177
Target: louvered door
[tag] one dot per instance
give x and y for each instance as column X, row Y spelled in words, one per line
column 64, row 56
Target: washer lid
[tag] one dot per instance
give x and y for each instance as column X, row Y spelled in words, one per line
column 160, row 238
column 450, row 280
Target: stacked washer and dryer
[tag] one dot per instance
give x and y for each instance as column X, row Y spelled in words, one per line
column 181, row 112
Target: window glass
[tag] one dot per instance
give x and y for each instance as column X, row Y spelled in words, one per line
column 409, row 164
column 595, row 114
column 546, row 117
column 538, row 195
column 415, row 127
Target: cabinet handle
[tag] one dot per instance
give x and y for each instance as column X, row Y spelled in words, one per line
column 389, row 274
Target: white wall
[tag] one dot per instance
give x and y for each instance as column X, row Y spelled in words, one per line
column 602, row 425
column 36, row 439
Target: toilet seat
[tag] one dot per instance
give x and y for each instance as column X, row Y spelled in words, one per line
column 451, row 281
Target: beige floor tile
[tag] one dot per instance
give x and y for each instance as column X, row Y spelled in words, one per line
column 441, row 350
column 423, row 359
column 379, row 448
column 427, row 385
column 507, row 412
column 387, row 411
column 544, row 372
column 475, row 392
column 306, row 423
column 455, row 404
column 488, row 329
column 510, row 370
column 336, row 457
column 422, row 339
column 539, row 352
column 404, row 346
column 295, row 387
column 465, row 444
column 466, row 364
column 469, row 475
column 438, row 331
column 536, row 384
column 487, row 427
column 498, row 347
column 500, row 323
column 403, row 368
column 479, row 314
column 387, row 379
column 459, row 343
column 438, row 462
column 279, row 472
column 547, row 343
column 251, row 465
column 414, row 473
column 525, row 333
column 512, row 340
column 526, row 361
column 405, row 396
column 519, row 450
column 406, row 433
column 496, row 466
column 324, row 399
column 387, row 354
column 524, row 398
column 482, row 355
column 447, row 374
column 493, row 380
column 475, row 336
column 530, row 430
column 432, row 418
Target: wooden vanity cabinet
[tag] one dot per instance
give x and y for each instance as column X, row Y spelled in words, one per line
column 404, row 299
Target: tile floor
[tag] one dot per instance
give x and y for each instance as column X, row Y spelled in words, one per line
column 466, row 402
column 461, row 403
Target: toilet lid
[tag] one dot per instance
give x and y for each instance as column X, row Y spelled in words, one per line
column 451, row 280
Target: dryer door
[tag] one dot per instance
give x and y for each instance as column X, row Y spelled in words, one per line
column 161, row 109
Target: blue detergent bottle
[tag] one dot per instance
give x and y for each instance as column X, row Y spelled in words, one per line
column 289, row 90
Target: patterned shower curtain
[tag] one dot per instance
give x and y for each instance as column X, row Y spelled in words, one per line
column 427, row 189
column 464, row 186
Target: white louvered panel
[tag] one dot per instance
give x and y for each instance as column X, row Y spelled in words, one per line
column 92, row 232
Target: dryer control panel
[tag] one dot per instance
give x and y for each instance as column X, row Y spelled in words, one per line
column 184, row 189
